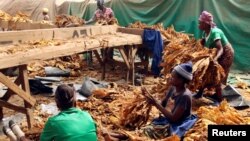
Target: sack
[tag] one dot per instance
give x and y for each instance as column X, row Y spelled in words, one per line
column 89, row 85
column 53, row 71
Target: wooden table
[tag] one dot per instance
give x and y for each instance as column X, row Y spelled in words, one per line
column 74, row 40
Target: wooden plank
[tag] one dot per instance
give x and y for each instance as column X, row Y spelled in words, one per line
column 47, row 26
column 7, row 95
column 130, row 31
column 8, row 83
column 30, row 118
column 107, row 29
column 72, row 32
column 4, row 24
column 125, row 58
column 9, row 91
column 130, row 64
column 53, row 33
column 41, row 54
column 23, row 74
column 22, row 26
column 134, row 50
column 12, row 106
column 104, row 60
column 79, row 32
column 69, row 48
column 12, row 37
column 98, row 57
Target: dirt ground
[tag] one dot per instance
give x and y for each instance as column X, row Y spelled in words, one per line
column 117, row 75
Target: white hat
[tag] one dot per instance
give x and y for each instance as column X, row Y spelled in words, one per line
column 45, row 10
column 185, row 70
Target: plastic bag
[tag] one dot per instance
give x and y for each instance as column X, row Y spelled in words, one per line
column 90, row 84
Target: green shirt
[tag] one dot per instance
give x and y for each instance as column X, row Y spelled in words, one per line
column 214, row 35
column 70, row 125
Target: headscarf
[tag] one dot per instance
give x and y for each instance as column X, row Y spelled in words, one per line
column 185, row 70
column 207, row 18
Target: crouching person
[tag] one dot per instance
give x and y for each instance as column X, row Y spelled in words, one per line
column 175, row 108
column 71, row 124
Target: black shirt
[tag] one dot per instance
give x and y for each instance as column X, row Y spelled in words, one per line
column 182, row 99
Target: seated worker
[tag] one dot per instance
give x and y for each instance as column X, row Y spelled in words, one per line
column 45, row 14
column 102, row 13
column 175, row 107
column 71, row 124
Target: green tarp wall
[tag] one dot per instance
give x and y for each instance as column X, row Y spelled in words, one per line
column 232, row 16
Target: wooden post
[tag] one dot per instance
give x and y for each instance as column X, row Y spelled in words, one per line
column 124, row 56
column 125, row 59
column 23, row 73
column 8, row 83
column 7, row 96
column 134, row 50
column 98, row 57
column 104, row 56
column 13, row 88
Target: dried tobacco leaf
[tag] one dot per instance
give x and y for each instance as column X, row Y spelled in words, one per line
column 67, row 20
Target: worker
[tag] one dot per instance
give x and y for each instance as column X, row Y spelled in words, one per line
column 176, row 105
column 45, row 14
column 213, row 37
column 71, row 124
column 102, row 13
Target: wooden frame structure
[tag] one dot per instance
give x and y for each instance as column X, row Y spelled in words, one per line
column 80, row 39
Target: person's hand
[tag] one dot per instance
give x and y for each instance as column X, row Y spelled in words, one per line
column 151, row 100
column 104, row 131
column 215, row 61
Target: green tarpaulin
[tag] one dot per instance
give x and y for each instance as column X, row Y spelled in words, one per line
column 232, row 16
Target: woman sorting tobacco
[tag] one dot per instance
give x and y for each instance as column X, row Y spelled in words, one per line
column 213, row 37
column 175, row 107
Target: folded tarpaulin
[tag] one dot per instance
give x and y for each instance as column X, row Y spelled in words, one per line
column 234, row 98
column 37, row 87
column 153, row 41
